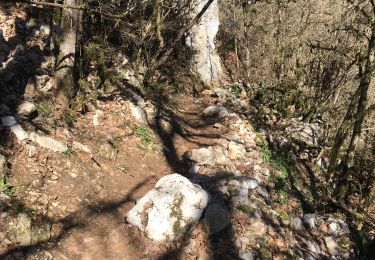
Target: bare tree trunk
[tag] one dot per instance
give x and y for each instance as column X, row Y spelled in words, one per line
column 70, row 24
column 359, row 115
column 341, row 135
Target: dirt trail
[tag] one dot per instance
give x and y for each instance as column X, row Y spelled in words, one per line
column 87, row 204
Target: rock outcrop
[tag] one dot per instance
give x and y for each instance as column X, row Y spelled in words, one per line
column 202, row 40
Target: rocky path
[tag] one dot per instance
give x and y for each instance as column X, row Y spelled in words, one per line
column 73, row 205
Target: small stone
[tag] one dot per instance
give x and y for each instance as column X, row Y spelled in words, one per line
column 194, row 169
column 249, row 183
column 45, row 29
column 43, row 83
column 216, row 218
column 8, row 121
column 81, row 147
column 245, row 255
column 18, row 131
column 4, row 202
column 54, row 177
column 30, row 88
column 242, row 242
column 236, row 151
column 32, row 150
column 73, row 175
column 296, row 223
column 95, row 120
column 265, row 171
column 215, row 110
column 3, row 162
column 313, row 247
column 26, row 108
column 202, row 156
column 49, row 143
column 108, row 151
column 309, row 221
column 332, row 246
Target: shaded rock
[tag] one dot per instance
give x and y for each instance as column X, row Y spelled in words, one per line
column 296, row 223
column 20, row 230
column 248, row 183
column 8, row 121
column 24, row 233
column 309, row 220
column 202, row 156
column 215, row 110
column 30, row 88
column 108, row 151
column 43, row 83
column 48, row 142
column 194, row 169
column 304, row 133
column 169, row 209
column 314, row 248
column 4, row 201
column 332, row 246
column 216, row 218
column 138, row 113
column 245, row 255
column 3, row 162
column 338, row 227
column 26, row 108
column 18, row 131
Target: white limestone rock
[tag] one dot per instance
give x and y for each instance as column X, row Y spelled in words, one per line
column 202, row 156
column 26, row 108
column 172, row 206
column 19, row 132
column 216, row 110
column 48, row 142
column 202, row 40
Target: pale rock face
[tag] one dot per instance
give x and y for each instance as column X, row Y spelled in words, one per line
column 202, row 40
column 166, row 211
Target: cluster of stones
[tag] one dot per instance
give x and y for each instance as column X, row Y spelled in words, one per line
column 245, row 181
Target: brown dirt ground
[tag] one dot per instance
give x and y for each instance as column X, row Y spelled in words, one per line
column 87, row 203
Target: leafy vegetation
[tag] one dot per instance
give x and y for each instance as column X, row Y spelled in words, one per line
column 143, row 134
column 5, row 187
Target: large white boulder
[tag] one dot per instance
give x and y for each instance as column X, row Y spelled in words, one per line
column 169, row 209
column 202, row 40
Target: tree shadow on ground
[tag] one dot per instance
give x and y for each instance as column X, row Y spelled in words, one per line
column 221, row 244
column 77, row 221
